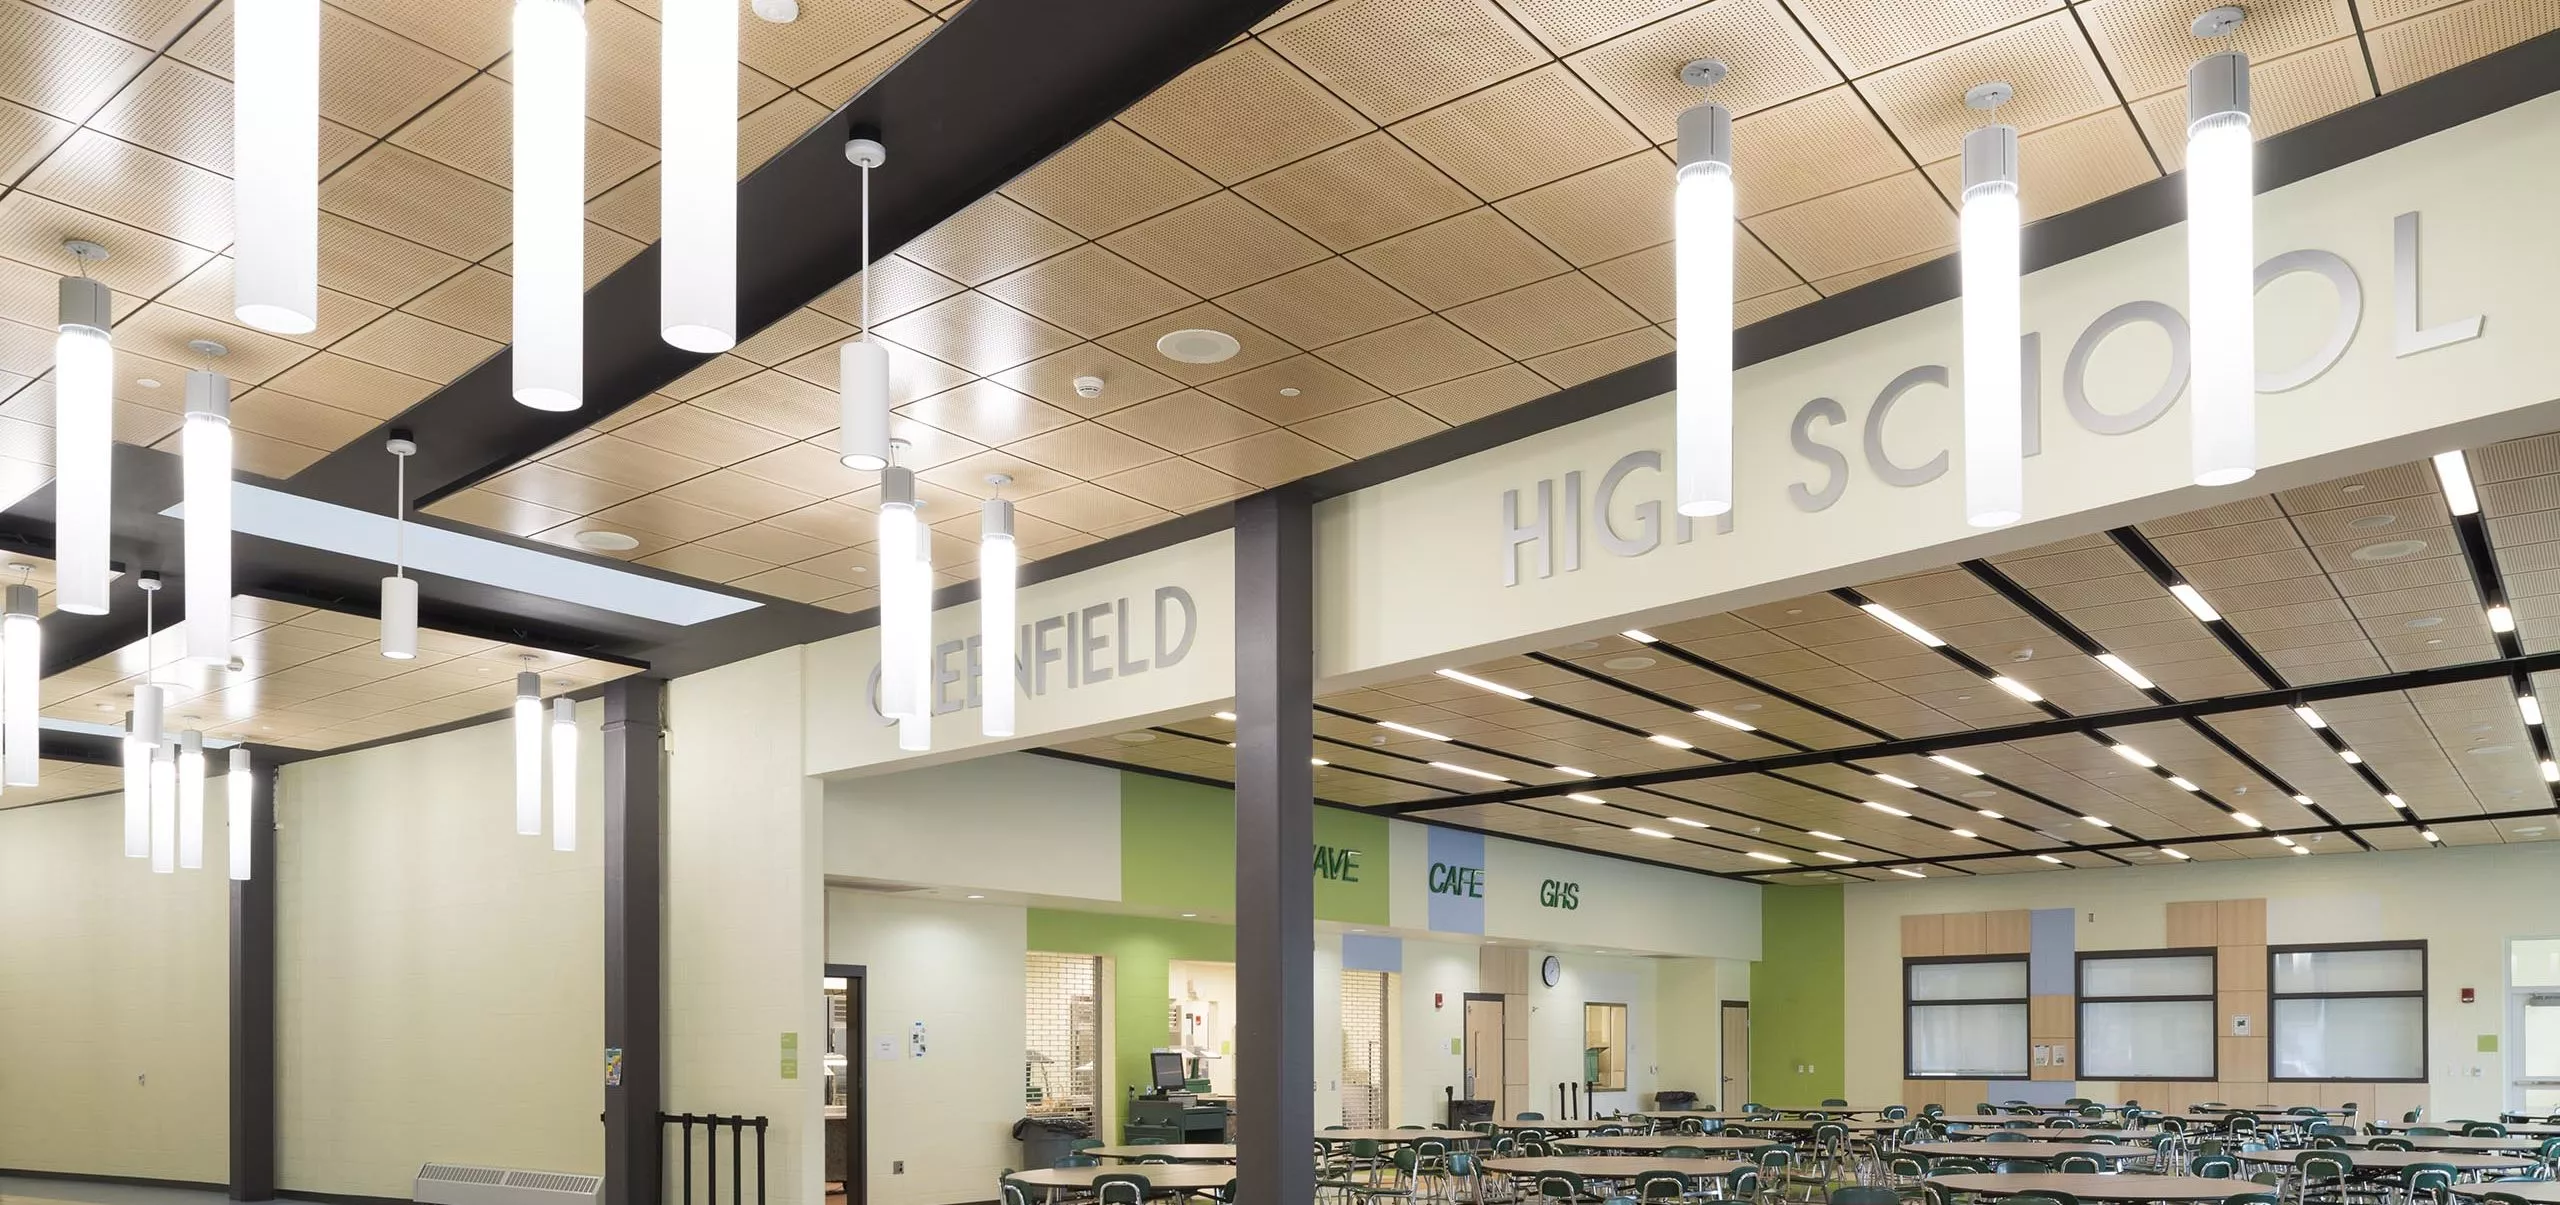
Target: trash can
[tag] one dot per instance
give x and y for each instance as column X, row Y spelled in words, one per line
column 1047, row 1140
column 1675, row 1102
column 1464, row 1113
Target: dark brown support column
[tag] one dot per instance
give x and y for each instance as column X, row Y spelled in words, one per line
column 253, row 998
column 1275, row 840
column 634, row 891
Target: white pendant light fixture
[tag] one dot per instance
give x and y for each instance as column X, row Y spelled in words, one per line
column 400, row 591
column 897, row 534
column 550, row 172
column 1702, row 266
column 1994, row 453
column 528, row 725
column 862, row 367
column 164, row 808
column 2221, row 262
column 148, row 697
column 275, row 165
column 137, row 790
column 999, row 564
column 190, row 800
column 698, row 174
column 564, row 774
column 238, row 784
column 83, row 437
column 205, row 451
column 142, row 741
column 915, row 729
column 21, row 689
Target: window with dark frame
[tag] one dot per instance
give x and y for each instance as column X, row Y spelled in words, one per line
column 1965, row 1017
column 2350, row 1012
column 2147, row 1015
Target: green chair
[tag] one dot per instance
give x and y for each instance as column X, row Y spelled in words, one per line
column 2041, row 1194
column 1933, row 1110
column 1528, row 1117
column 2426, row 1181
column 2006, row 1136
column 1741, row 1184
column 2214, row 1167
column 1075, row 1160
column 2413, row 1115
column 2390, row 1144
column 1905, row 1173
column 1777, row 1166
column 1122, row 1188
column 1834, row 1102
column 2252, row 1198
column 2323, row 1176
column 2484, row 1129
column 1013, row 1193
column 1959, row 1167
column 1661, row 1186
column 2428, row 1132
column 1684, row 1152
column 2078, row 1165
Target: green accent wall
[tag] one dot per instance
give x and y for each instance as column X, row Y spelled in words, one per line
column 1797, row 998
column 1177, row 851
column 1139, row 948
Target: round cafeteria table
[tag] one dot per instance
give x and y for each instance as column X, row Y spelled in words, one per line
column 1613, row 1167
column 2542, row 1191
column 1178, row 1152
column 1802, row 1125
column 2027, row 1150
column 2266, row 1112
column 2447, row 1142
column 1557, row 1127
column 2395, row 1160
column 2051, row 1134
column 1189, row 1177
column 1698, row 1114
column 1655, row 1143
column 1392, row 1137
column 2521, row 1129
column 2099, row 1188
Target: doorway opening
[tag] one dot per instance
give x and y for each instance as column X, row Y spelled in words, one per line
column 1364, row 1050
column 1481, row 1051
column 842, row 1064
column 1734, row 1088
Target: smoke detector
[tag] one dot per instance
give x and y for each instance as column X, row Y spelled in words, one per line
column 1088, row 386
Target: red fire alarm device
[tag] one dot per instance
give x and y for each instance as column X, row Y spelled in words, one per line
column 2468, row 996
column 1435, row 1001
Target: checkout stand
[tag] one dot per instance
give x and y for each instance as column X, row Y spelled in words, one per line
column 1176, row 1107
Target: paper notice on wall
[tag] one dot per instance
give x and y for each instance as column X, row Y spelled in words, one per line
column 2240, row 1025
column 791, row 1056
column 884, row 1050
column 2044, row 1055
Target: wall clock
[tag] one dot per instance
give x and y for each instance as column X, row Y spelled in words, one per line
column 1551, row 970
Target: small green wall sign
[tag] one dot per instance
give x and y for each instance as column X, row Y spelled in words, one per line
column 1448, row 878
column 1559, row 894
column 1337, row 864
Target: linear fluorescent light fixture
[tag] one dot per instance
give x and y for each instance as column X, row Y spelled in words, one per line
column 1686, row 822
column 2179, row 854
column 1966, row 833
column 1953, row 764
column 1640, row 636
column 1909, row 873
column 2453, row 472
column 2245, row 820
column 2183, row 784
column 1481, row 684
column 1886, row 808
column 1668, row 741
column 1469, row 771
column 1228, row 716
column 2124, row 671
column 1988, row 814
column 1835, row 857
column 2532, row 709
column 1579, row 797
column 1891, row 780
column 1726, row 720
column 1904, row 626
column 2351, row 757
column 1650, row 832
column 2016, row 688
column 2049, row 858
column 2136, row 756
column 2302, row 849
column 1769, row 857
column 2194, row 602
column 2284, row 841
column 1573, row 772
column 2304, row 800
column 1820, row 835
column 2550, row 770
column 2501, row 620
column 2396, row 802
column 2310, row 717
column 2094, row 822
column 2430, row 835
column 275, row 515
column 1410, row 730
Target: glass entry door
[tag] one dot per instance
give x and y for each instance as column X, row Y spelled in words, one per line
column 2537, row 1083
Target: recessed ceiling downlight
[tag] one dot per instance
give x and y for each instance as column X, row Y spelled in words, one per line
column 1627, row 663
column 1198, row 346
column 605, row 541
column 2389, row 550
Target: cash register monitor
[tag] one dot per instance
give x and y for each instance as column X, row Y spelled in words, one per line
column 1167, row 1070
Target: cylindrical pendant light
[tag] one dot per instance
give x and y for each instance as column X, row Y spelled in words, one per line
column 238, row 784
column 998, row 565
column 205, row 450
column 137, row 793
column 1994, row 455
column 83, row 441
column 275, row 164
column 400, row 591
column 528, row 721
column 191, row 800
column 148, row 697
column 164, row 808
column 915, row 729
column 1702, row 283
column 899, row 531
column 21, row 688
column 550, row 172
column 564, row 775
column 2222, row 270
column 862, row 366
column 698, row 174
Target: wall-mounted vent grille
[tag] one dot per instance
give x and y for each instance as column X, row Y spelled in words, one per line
column 464, row 1184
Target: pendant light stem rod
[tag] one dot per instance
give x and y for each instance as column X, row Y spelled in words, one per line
column 866, row 254
column 400, row 516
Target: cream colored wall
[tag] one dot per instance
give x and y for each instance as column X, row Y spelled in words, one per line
column 1691, row 993
column 114, row 1001
column 958, row 969
column 1430, row 1065
column 746, row 911
column 439, row 985
column 1556, row 1033
column 2465, row 903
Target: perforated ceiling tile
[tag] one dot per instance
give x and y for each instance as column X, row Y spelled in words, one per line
column 1410, row 355
column 1602, row 213
column 58, row 65
column 1802, row 149
column 141, row 188
column 1864, row 36
column 898, row 285
column 1215, row 245
column 1052, row 379
column 1520, row 133
column 1472, row 397
column 844, row 82
column 1559, row 312
column 2055, row 73
column 1293, row 390
column 2412, row 50
column 2147, row 44
column 824, row 36
column 987, row 413
column 1176, row 484
column 1898, row 216
column 420, row 200
column 976, row 332
column 1395, row 58
column 1086, row 450
column 2284, row 93
column 1771, row 60
column 1243, row 112
column 1088, row 507
column 1184, row 422
column 734, row 493
column 176, row 110
column 2061, row 168
column 1355, row 194
column 696, row 433
column 1573, row 365
column 1475, row 254
column 208, row 291
column 1089, row 290
column 1369, row 429
column 1107, row 179
column 777, row 402
column 993, row 236
column 1324, row 302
